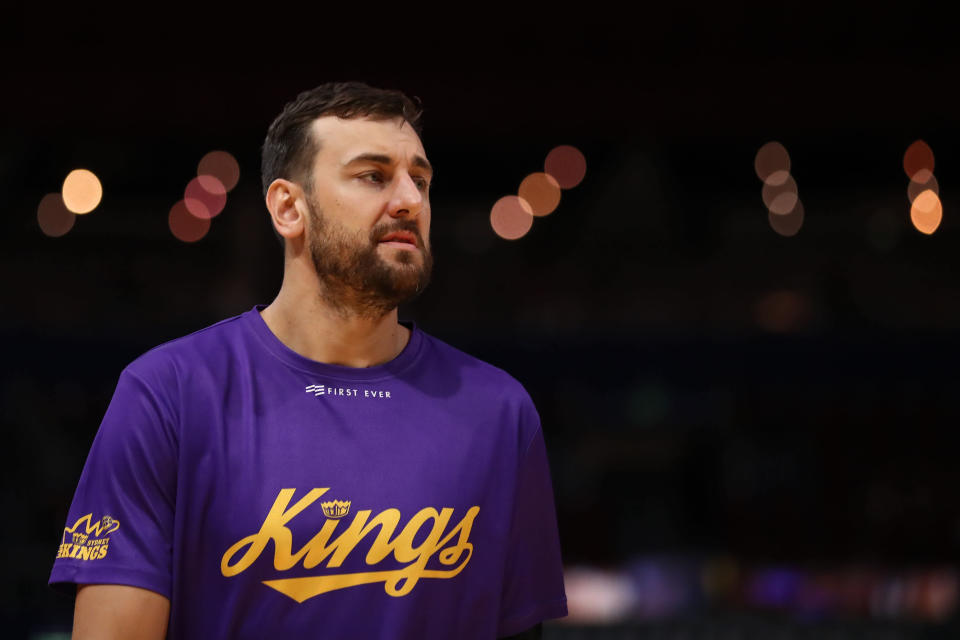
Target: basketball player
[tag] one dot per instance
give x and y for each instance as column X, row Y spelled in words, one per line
column 315, row 468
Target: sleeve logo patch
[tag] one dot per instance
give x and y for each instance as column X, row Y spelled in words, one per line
column 89, row 542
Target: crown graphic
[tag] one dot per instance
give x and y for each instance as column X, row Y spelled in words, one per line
column 335, row 508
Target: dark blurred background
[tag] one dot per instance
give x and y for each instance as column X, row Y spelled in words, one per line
column 751, row 435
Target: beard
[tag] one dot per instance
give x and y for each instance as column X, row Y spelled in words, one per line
column 356, row 279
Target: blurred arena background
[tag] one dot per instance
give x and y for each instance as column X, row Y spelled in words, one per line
column 750, row 403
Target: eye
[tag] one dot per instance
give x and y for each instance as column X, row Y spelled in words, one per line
column 374, row 177
column 421, row 183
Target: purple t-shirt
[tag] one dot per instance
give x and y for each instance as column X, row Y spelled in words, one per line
column 266, row 493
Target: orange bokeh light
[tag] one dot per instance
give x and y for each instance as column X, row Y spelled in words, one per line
column 567, row 166
column 917, row 157
column 926, row 212
column 788, row 224
column 205, row 196
column 82, row 191
column 780, row 199
column 511, row 217
column 771, row 163
column 922, row 181
column 777, row 178
column 185, row 226
column 541, row 191
column 53, row 216
column 221, row 165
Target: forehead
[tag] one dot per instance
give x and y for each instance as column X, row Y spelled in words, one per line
column 341, row 139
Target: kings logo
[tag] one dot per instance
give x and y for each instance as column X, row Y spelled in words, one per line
column 450, row 548
column 89, row 541
column 335, row 509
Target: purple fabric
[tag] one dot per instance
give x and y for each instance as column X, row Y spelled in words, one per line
column 221, row 473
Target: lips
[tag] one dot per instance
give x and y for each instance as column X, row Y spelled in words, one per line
column 400, row 236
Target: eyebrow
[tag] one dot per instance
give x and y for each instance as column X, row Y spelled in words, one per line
column 379, row 158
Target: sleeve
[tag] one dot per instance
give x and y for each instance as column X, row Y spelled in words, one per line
column 533, row 575
column 119, row 528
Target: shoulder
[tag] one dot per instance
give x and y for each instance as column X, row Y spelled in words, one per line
column 490, row 395
column 164, row 365
column 481, row 376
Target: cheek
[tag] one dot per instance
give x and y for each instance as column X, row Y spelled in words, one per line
column 425, row 232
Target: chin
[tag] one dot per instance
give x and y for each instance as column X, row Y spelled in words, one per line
column 403, row 257
column 408, row 257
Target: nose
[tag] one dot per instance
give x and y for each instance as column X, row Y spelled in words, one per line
column 407, row 198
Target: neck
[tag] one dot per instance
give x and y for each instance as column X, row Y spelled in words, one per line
column 304, row 319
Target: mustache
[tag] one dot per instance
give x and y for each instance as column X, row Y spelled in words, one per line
column 382, row 230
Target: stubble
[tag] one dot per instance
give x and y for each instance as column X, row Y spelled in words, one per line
column 356, row 280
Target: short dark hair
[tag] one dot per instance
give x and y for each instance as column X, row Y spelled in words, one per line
column 289, row 148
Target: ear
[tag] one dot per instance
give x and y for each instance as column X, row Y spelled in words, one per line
column 286, row 203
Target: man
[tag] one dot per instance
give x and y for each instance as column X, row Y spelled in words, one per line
column 314, row 468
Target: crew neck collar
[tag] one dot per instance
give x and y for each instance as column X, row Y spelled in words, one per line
column 404, row 359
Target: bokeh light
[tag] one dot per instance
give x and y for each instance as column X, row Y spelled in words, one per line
column 53, row 216
column 184, row 225
column 787, row 224
column 784, row 203
column 567, row 166
column 917, row 157
column 205, row 196
column 922, row 181
column 781, row 198
column 597, row 596
column 511, row 217
column 82, row 191
column 922, row 176
column 926, row 212
column 541, row 191
column 221, row 165
column 777, row 177
column 772, row 163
